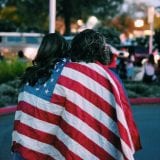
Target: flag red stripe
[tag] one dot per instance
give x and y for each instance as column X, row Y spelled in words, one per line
column 77, row 87
column 38, row 113
column 128, row 114
column 92, row 122
column 85, row 142
column 28, row 153
column 87, row 94
column 92, row 74
column 30, row 132
column 45, row 138
column 80, row 139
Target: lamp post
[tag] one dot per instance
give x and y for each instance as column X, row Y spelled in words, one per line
column 151, row 12
column 52, row 15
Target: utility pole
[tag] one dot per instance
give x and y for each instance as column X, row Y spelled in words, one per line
column 52, row 16
column 151, row 12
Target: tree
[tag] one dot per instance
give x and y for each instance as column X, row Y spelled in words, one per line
column 33, row 14
column 8, row 18
column 103, row 9
column 123, row 23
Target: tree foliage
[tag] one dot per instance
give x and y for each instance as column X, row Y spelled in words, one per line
column 30, row 14
column 34, row 14
column 8, row 18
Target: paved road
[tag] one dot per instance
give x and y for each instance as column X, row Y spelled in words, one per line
column 147, row 118
column 6, row 126
column 148, row 121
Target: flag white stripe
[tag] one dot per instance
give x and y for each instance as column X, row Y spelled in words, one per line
column 91, row 84
column 37, row 146
column 35, row 123
column 75, row 147
column 127, row 151
column 40, row 103
column 100, row 71
column 54, row 130
column 92, row 135
column 88, row 107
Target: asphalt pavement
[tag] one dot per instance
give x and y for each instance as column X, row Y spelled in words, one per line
column 147, row 118
column 6, row 127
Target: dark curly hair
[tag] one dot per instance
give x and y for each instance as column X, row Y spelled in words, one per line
column 89, row 46
column 52, row 48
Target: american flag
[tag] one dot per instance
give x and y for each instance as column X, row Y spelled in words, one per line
column 80, row 113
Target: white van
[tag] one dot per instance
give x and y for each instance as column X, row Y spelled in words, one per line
column 13, row 42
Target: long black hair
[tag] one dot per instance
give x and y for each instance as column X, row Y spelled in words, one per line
column 90, row 46
column 52, row 48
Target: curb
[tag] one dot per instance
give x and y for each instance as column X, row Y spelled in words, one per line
column 7, row 110
column 144, row 100
column 133, row 101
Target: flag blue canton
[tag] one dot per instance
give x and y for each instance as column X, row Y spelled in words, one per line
column 45, row 90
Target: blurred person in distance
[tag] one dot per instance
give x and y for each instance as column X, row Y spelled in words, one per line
column 157, row 71
column 21, row 56
column 149, row 70
column 115, row 54
column 1, row 56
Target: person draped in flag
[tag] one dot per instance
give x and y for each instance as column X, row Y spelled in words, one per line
column 80, row 113
column 104, row 113
column 34, row 109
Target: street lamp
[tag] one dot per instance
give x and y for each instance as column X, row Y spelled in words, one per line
column 139, row 23
column 92, row 21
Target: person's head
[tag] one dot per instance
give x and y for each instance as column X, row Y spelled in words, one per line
column 20, row 54
column 89, row 46
column 52, row 48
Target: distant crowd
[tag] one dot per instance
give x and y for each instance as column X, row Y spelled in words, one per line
column 148, row 71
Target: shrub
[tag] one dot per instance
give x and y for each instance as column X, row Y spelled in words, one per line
column 11, row 69
column 140, row 89
column 9, row 93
